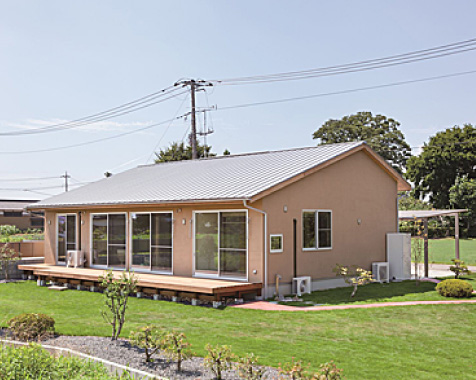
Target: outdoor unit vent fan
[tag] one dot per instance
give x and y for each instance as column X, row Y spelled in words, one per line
column 380, row 272
column 302, row 285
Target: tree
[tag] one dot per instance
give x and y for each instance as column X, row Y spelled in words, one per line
column 449, row 155
column 463, row 196
column 354, row 276
column 379, row 132
column 116, row 295
column 409, row 202
column 179, row 152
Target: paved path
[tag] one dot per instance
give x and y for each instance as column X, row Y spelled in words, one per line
column 439, row 270
column 263, row 305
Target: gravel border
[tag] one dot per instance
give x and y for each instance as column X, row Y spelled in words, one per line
column 122, row 352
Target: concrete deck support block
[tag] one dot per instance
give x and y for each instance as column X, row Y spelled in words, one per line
column 156, row 297
column 175, row 299
column 92, row 289
column 78, row 287
column 216, row 304
column 139, row 294
column 195, row 302
column 239, row 301
column 31, row 277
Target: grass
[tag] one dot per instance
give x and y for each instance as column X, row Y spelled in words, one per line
column 376, row 292
column 441, row 251
column 417, row 342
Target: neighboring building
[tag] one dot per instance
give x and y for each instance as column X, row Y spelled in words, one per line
column 12, row 212
column 247, row 217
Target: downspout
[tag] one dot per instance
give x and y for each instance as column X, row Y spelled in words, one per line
column 265, row 244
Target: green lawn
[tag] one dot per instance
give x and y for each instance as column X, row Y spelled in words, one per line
column 443, row 250
column 417, row 342
column 376, row 292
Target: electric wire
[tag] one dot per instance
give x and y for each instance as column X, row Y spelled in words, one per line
column 400, row 59
column 91, row 141
column 348, row 91
column 91, row 120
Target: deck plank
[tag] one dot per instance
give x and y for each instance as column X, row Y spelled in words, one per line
column 148, row 280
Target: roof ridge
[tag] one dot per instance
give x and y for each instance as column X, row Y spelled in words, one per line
column 356, row 143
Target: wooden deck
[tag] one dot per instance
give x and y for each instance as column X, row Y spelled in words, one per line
column 168, row 285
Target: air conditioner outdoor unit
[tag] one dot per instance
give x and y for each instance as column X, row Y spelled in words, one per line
column 302, row 285
column 380, row 272
column 75, row 259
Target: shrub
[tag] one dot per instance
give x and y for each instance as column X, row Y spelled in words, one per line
column 7, row 230
column 328, row 371
column 294, row 370
column 149, row 338
column 177, row 347
column 218, row 359
column 28, row 327
column 248, row 368
column 455, row 288
column 116, row 295
column 33, row 362
column 459, row 268
column 354, row 276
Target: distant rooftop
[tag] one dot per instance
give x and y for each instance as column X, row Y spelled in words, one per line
column 235, row 177
column 15, row 204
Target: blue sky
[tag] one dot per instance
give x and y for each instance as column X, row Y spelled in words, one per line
column 62, row 60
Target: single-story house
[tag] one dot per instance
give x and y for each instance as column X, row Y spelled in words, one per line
column 248, row 218
column 12, row 212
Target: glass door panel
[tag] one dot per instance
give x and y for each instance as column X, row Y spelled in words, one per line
column 61, row 239
column 99, row 230
column 117, row 240
column 206, row 243
column 141, row 240
column 161, row 241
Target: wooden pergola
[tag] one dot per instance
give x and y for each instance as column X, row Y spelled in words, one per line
column 424, row 215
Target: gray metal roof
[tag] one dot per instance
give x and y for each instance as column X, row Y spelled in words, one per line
column 14, row 204
column 235, row 177
column 423, row 214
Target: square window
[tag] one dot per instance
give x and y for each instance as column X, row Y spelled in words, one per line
column 276, row 243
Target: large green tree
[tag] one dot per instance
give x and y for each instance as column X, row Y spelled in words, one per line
column 382, row 134
column 449, row 155
column 179, row 151
column 463, row 196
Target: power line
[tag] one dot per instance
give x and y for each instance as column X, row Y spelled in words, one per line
column 91, row 141
column 27, row 179
column 400, row 59
column 324, row 94
column 106, row 115
column 166, row 129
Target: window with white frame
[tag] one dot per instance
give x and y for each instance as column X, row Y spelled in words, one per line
column 152, row 241
column 276, row 243
column 65, row 236
column 316, row 229
column 108, row 240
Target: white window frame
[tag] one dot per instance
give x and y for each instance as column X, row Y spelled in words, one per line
column 316, row 214
column 91, row 242
column 271, row 250
column 143, row 269
column 66, row 235
column 217, row 276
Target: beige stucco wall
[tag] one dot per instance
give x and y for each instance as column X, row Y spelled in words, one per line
column 183, row 235
column 353, row 188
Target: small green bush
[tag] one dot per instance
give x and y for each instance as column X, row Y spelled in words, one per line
column 150, row 339
column 28, row 327
column 218, row 359
column 33, row 362
column 455, row 288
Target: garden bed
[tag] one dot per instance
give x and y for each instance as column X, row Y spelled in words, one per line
column 122, row 352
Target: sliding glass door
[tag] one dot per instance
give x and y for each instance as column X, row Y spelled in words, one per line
column 66, row 236
column 109, row 240
column 152, row 241
column 221, row 244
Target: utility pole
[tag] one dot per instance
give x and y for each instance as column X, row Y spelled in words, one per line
column 66, row 176
column 195, row 85
column 193, row 139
